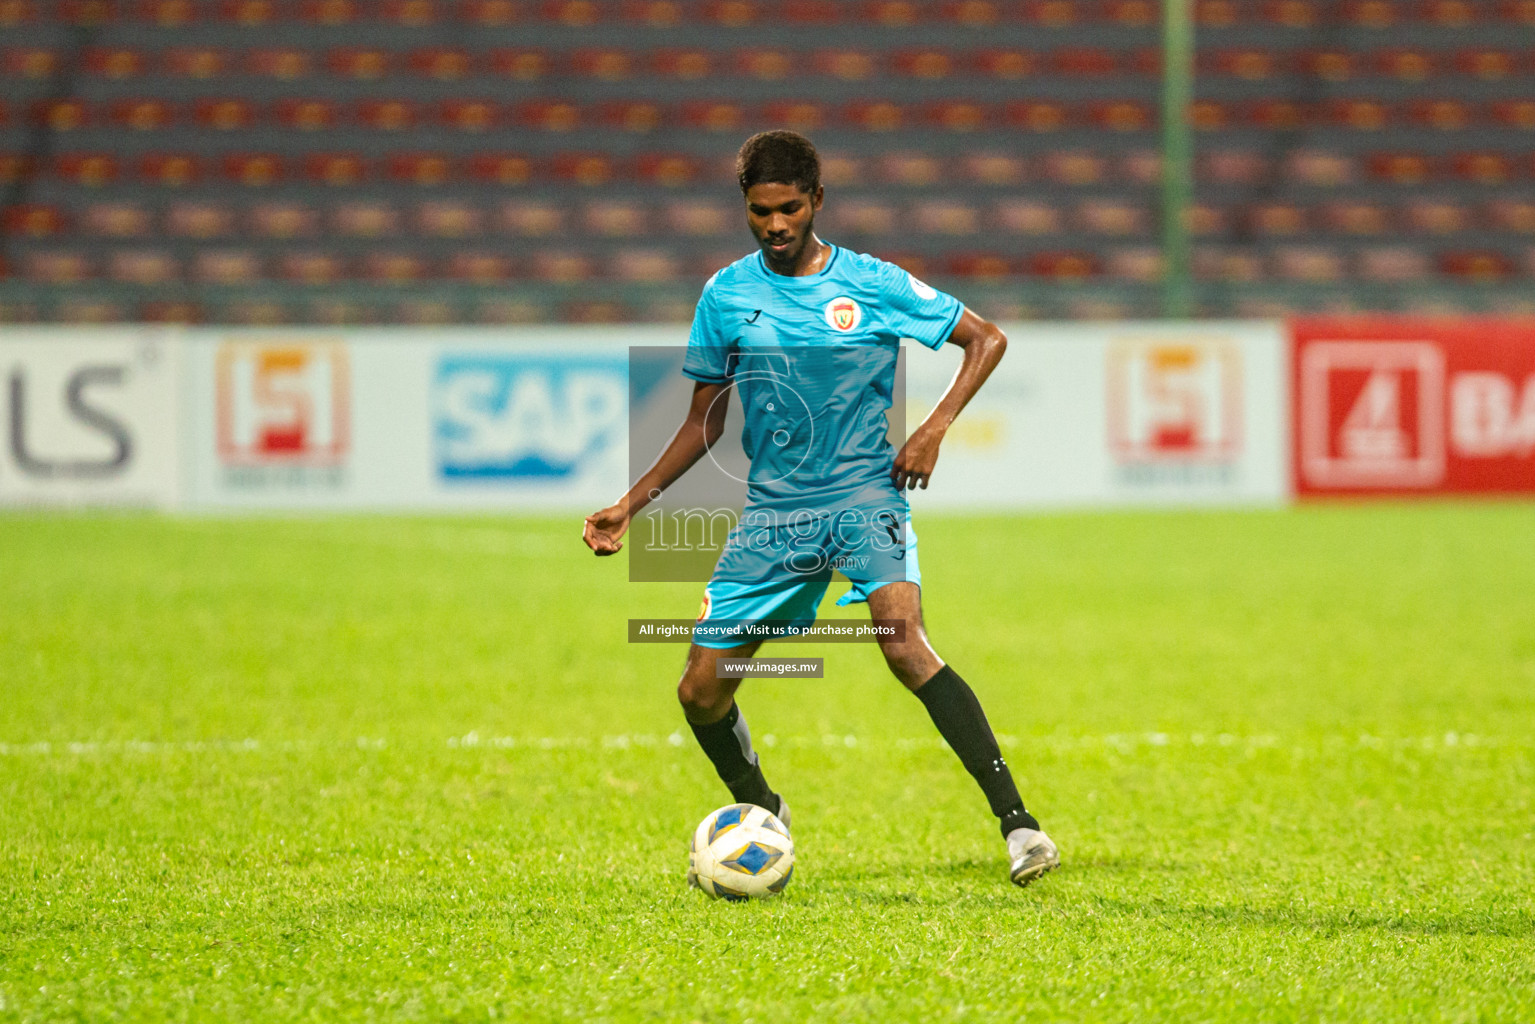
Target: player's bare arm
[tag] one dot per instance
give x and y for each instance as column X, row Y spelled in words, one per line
column 604, row 530
column 983, row 343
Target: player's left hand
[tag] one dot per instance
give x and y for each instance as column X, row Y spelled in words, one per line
column 915, row 461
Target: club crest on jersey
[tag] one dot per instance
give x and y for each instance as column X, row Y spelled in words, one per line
column 843, row 314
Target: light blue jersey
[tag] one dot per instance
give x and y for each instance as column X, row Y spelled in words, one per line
column 812, row 360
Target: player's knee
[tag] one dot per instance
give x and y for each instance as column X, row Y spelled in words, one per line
column 909, row 662
column 697, row 692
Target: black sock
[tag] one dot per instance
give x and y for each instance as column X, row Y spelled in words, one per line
column 729, row 745
column 957, row 713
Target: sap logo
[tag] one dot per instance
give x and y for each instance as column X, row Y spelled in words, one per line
column 282, row 404
column 538, row 418
column 1492, row 416
column 60, row 430
column 1174, row 400
column 1372, row 414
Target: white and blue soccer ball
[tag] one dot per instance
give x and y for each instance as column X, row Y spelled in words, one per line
column 741, row 852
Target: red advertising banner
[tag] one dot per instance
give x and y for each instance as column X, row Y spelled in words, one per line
column 1406, row 406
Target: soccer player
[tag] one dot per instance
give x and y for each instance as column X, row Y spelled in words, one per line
column 808, row 333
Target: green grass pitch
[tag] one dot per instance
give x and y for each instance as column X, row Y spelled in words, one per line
column 408, row 769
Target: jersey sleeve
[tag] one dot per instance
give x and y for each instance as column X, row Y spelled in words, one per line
column 916, row 310
column 707, row 358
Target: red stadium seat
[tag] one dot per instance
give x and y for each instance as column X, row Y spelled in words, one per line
column 1407, row 65
column 977, row 14
column 891, row 13
column 1112, row 217
column 596, row 311
column 1373, row 14
column 88, row 12
column 1330, row 65
column 1438, row 217
column 910, row 169
column 956, row 115
column 411, row 13
column 808, row 12
column 1216, row 13
column 572, row 13
column 658, row 13
column 1231, row 167
column 645, row 266
column 29, row 62
column 587, row 169
column 1294, row 14
column 285, row 65
column 1449, row 13
column 91, row 170
column 313, row 268
column 340, row 170
column 1075, row 167
column 1206, row 221
column 713, row 116
column 731, row 13
column 199, row 220
column 388, row 115
column 365, row 220
column 1277, row 220
column 929, row 64
column 490, row 13
column 686, row 65
column 521, row 65
column 1137, row 263
column 1356, row 218
column 116, row 220
column 307, row 115
column 1490, row 65
column 1063, row 266
column 1054, row 13
column 875, row 115
column 1123, row 116
column 443, row 64
column 470, row 115
column 1132, row 13
column 532, row 219
column 765, row 65
column 359, row 64
column 1442, row 114
column 33, row 220
column 1518, row 12
column 1316, row 263
column 1401, row 168
column 195, row 62
column 669, row 170
column 798, row 115
column 173, row 170
column 562, row 266
column 328, row 12
column 1394, row 264
column 227, row 267
column 996, row 169
column 979, row 266
column 1515, row 215
column 1085, row 62
column 253, row 170
column 846, row 65
column 143, row 267
column 1209, row 115
column 1321, row 167
column 224, row 115
column 283, row 220
column 479, row 267
column 61, row 115
column 1482, row 265
column 699, row 218
column 427, row 170
column 1250, row 65
column 1361, row 115
column 395, row 267
column 1483, row 168
column 1036, row 116
column 838, row 170
column 248, row 13
column 57, row 266
column 1518, row 114
column 1007, row 64
column 16, row 12
column 607, row 65
column 167, row 13
column 549, row 115
column 143, row 115
column 1140, row 167
column 865, row 217
column 634, row 116
column 449, row 218
column 503, row 169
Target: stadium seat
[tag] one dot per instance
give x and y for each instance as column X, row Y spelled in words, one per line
column 875, row 115
column 562, row 266
column 1112, row 217
column 90, row 170
column 1036, row 116
column 1407, row 65
column 395, row 266
column 1488, row 65
column 248, row 13
column 117, row 219
column 307, row 115
column 586, row 169
column 765, row 65
column 253, row 170
column 945, row 217
column 1123, row 116
column 572, row 13
column 837, row 169
column 685, row 65
column 658, row 13
column 798, row 115
column 1330, row 65
column 1063, row 266
column 1518, row 12
column 504, row 169
column 1142, row 264
column 490, row 13
column 1320, row 167
column 1007, row 64
column 143, row 267
column 1276, row 220
column 929, row 64
column 365, row 220
column 713, row 116
column 411, row 13
column 911, row 169
column 636, row 117
column 88, row 13
column 1519, row 114
column 335, row 169
column 847, row 65
column 1085, row 62
column 442, row 64
column 199, row 62
column 56, row 266
column 1028, row 217
column 29, row 62
column 1359, row 114
column 1314, row 263
column 1054, row 14
column 227, row 267
column 863, row 217
column 525, row 219
column 311, row 268
column 976, row 14
column 283, row 220
column 167, row 13
column 328, row 12
column 224, row 114
column 172, row 170
column 199, row 219
column 449, row 218
column 1393, row 264
column 1216, row 13
column 1371, row 14
column 644, row 266
column 1347, row 217
column 1210, row 115
column 61, row 115
column 469, row 115
column 699, row 218
column 479, row 267
column 32, row 220
column 668, row 170
column 614, row 218
column 1442, row 114
column 1513, row 215
column 978, row 266
column 1246, row 64
column 285, row 65
column 1438, row 217
column 1291, row 14
column 1206, row 221
column 1140, row 167
column 142, row 115
column 1483, row 168
column 1218, row 263
column 956, row 115
column 1075, row 167
column 1481, row 265
column 1449, row 13
column 607, row 65
column 423, row 169
column 548, row 115
column 387, row 115
column 1401, row 168
column 999, row 169
column 359, row 64
column 16, row 12
column 521, row 65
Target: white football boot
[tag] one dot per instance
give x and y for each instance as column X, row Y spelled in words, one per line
column 1030, row 854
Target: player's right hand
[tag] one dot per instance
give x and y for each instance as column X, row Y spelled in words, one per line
column 602, row 530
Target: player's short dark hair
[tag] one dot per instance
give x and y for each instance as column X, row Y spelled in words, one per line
column 780, row 158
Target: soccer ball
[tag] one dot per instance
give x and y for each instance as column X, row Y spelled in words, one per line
column 740, row 852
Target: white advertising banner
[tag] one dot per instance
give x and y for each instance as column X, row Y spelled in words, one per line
column 1115, row 414
column 410, row 418
column 89, row 416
